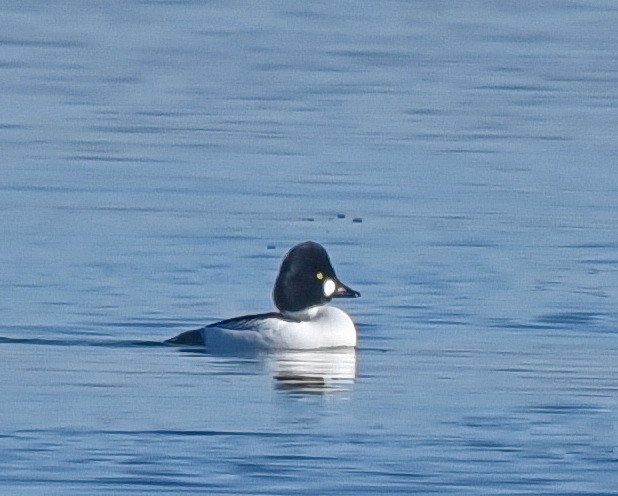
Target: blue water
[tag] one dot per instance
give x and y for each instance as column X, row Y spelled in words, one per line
column 159, row 158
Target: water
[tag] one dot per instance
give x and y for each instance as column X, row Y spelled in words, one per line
column 159, row 158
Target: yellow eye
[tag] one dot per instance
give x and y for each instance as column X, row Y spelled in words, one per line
column 320, row 276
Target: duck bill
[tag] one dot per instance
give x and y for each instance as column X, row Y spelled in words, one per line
column 343, row 291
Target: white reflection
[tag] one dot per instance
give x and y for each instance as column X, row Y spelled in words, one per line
column 313, row 370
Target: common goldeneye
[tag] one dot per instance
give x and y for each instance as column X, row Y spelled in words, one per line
column 306, row 282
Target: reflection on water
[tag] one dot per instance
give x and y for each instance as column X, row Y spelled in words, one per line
column 314, row 370
column 303, row 370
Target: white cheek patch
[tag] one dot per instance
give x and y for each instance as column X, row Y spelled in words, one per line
column 329, row 287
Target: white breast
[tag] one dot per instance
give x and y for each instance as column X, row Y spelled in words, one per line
column 324, row 327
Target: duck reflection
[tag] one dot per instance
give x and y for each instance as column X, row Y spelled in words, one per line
column 313, row 370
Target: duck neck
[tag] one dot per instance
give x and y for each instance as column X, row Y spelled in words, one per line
column 304, row 314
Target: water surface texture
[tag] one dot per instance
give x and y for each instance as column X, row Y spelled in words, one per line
column 458, row 160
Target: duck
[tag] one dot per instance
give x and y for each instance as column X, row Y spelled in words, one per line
column 304, row 286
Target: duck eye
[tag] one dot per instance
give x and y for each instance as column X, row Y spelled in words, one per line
column 320, row 276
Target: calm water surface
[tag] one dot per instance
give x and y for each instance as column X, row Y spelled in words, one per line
column 159, row 158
